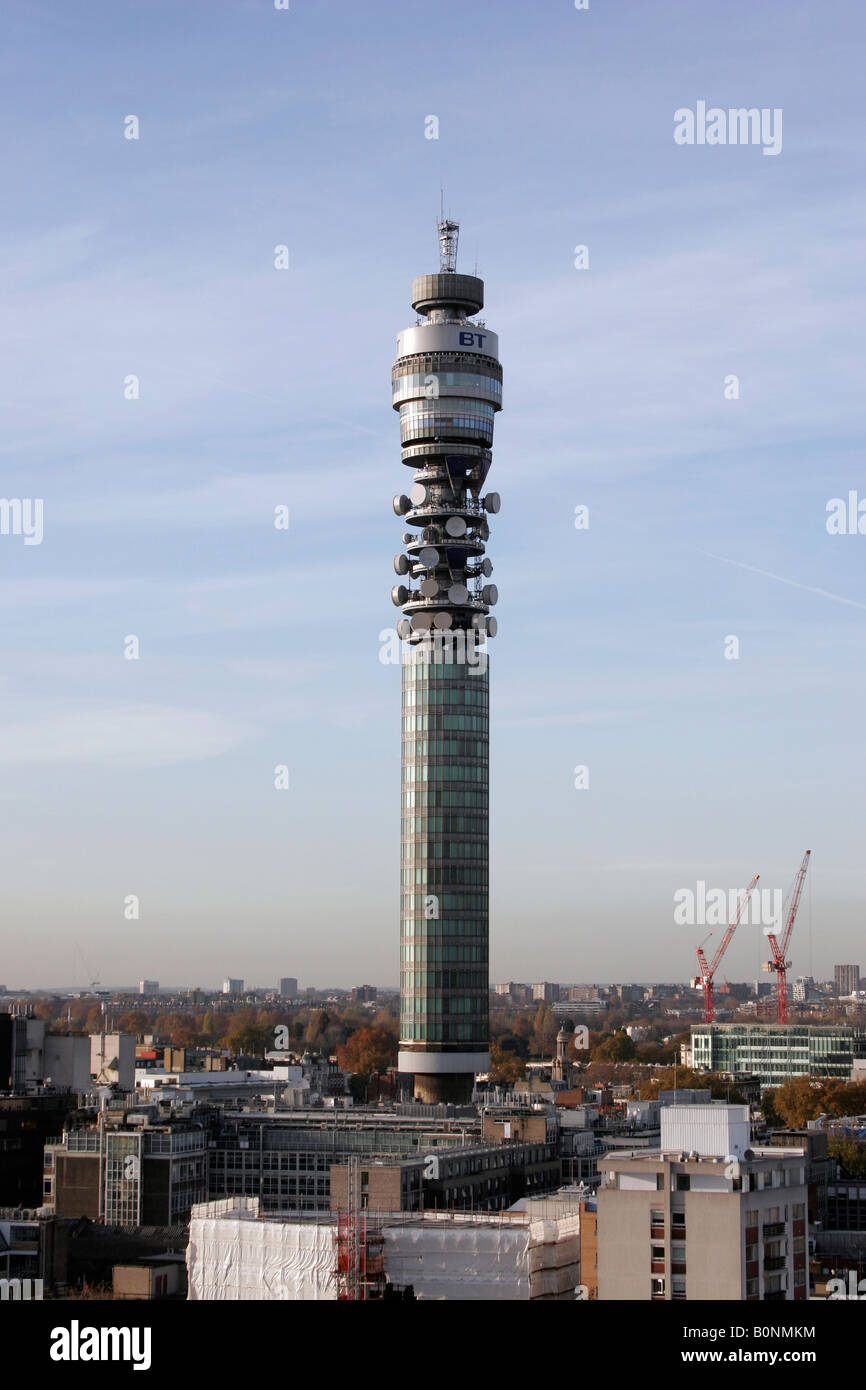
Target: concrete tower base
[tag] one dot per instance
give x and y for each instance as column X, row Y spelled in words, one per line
column 448, row 1088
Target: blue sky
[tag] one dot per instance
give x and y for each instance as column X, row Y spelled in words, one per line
column 261, row 387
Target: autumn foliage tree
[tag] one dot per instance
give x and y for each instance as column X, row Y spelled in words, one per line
column 368, row 1050
column 506, row 1065
column 849, row 1153
column 804, row 1098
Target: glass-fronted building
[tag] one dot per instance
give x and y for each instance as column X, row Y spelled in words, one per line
column 774, row 1052
column 447, row 388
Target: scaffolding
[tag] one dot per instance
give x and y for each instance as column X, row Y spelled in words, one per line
column 360, row 1246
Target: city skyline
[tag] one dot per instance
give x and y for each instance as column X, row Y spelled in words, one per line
column 259, row 648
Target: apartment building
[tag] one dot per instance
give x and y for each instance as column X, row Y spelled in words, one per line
column 706, row 1217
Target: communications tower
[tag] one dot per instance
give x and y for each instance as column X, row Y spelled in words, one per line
column 447, row 388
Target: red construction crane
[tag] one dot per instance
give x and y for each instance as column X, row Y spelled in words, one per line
column 779, row 963
column 708, row 971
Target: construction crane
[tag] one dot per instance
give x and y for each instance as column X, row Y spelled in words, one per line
column 780, row 963
column 705, row 978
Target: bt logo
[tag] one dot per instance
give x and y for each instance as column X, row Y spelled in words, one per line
column 469, row 339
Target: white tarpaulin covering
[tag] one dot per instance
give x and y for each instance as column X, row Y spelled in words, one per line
column 512, row 1263
column 232, row 1255
column 459, row 1262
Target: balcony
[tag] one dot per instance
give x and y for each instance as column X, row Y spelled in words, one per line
column 777, row 1262
column 776, row 1229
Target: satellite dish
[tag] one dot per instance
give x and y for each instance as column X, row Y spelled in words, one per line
column 478, row 621
column 418, row 494
column 442, row 620
column 401, row 564
column 492, row 627
column 401, row 504
column 429, row 588
column 408, row 537
column 399, row 595
column 492, row 503
column 404, row 627
column 484, row 531
column 455, row 526
column 489, row 594
column 429, row 557
column 487, row 568
column 421, row 622
column 458, row 593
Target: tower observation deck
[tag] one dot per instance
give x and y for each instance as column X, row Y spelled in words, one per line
column 447, row 388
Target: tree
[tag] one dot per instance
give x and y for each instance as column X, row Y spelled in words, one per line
column 799, row 1100
column 388, row 1018
column 368, row 1050
column 544, row 1031
column 136, row 1021
column 769, row 1111
column 317, row 1025
column 844, row 1098
column 506, row 1066
column 849, row 1153
column 617, row 1048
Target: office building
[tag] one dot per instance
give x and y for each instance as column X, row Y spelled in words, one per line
column 478, row 1177
column 127, row 1173
column 148, row 987
column 231, row 986
column 447, row 387
column 288, row 987
column 774, row 1052
column 706, row 1217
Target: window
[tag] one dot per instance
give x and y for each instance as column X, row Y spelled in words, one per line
column 657, row 1252
column 658, row 1288
column 657, row 1218
column 684, row 1182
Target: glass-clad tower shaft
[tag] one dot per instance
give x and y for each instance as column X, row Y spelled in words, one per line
column 447, row 386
